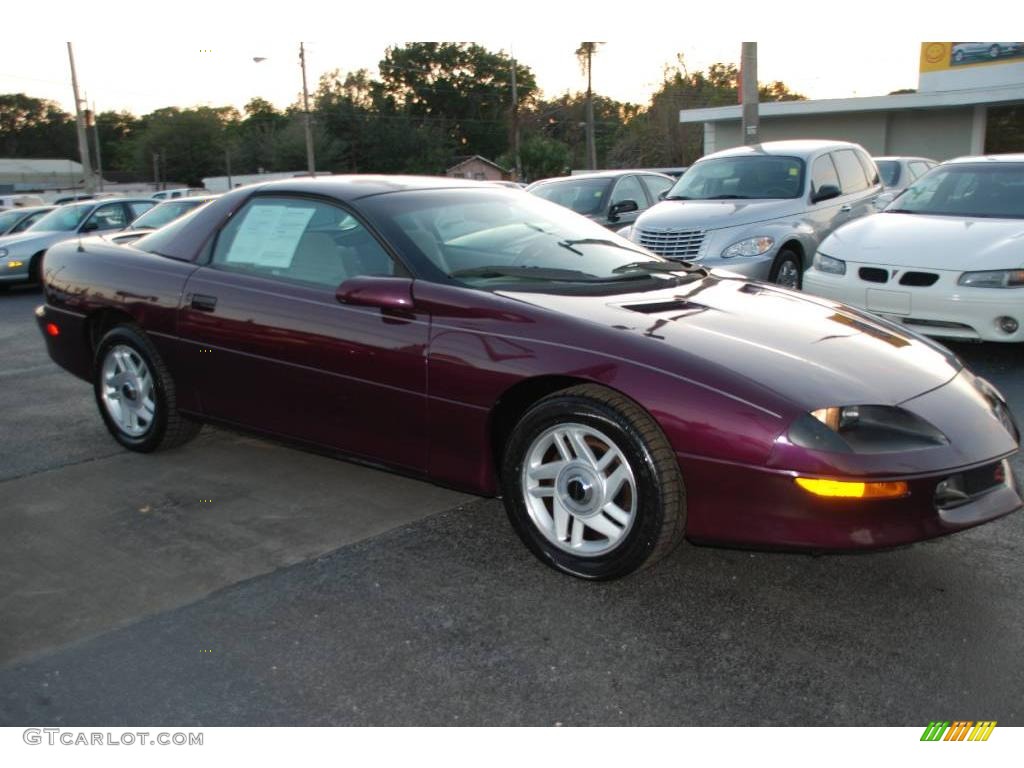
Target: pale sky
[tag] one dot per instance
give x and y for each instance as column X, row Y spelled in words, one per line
column 187, row 53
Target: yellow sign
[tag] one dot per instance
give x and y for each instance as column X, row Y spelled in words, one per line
column 940, row 57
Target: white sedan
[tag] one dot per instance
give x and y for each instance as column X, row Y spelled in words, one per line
column 945, row 258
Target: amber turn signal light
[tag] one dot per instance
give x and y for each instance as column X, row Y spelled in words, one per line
column 852, row 489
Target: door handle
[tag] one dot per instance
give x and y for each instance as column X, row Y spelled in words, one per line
column 845, row 208
column 202, row 303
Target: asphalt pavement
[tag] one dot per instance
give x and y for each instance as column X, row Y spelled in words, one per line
column 312, row 591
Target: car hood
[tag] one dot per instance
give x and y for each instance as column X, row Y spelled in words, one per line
column 34, row 239
column 714, row 214
column 763, row 343
column 936, row 242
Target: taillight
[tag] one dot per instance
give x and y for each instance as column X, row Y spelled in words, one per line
column 52, row 329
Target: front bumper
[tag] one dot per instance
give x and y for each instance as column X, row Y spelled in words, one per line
column 944, row 309
column 758, row 507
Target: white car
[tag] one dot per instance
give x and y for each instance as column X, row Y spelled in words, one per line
column 945, row 258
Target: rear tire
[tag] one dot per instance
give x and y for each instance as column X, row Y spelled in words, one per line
column 135, row 393
column 591, row 484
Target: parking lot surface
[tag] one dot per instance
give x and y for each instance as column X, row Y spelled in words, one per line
column 313, row 591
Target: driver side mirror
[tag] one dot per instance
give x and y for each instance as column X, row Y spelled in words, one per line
column 389, row 293
column 825, row 192
column 91, row 226
column 624, row 206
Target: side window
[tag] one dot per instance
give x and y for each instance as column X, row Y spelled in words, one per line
column 657, row 185
column 138, row 209
column 823, row 174
column 107, row 217
column 28, row 221
column 869, row 168
column 628, row 188
column 851, row 173
column 300, row 240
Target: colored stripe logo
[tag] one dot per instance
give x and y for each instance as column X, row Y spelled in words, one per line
column 959, row 730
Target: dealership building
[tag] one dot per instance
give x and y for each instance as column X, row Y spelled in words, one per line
column 959, row 85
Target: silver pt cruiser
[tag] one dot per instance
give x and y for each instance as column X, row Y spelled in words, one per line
column 761, row 210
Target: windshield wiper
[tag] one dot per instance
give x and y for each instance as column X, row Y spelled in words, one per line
column 538, row 273
column 660, row 266
column 568, row 244
column 900, row 210
column 728, row 197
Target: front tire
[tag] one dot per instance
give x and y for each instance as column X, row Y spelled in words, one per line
column 591, row 484
column 787, row 270
column 135, row 393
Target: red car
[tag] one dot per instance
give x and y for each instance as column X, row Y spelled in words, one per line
column 497, row 343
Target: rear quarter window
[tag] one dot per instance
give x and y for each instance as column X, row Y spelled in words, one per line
column 851, row 172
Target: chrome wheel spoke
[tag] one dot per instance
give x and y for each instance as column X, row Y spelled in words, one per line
column 580, row 447
column 547, row 471
column 561, row 518
column 604, row 526
column 616, row 513
column 577, row 532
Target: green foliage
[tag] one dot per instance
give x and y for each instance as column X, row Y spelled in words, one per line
column 432, row 101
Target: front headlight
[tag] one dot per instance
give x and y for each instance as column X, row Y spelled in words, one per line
column 752, row 246
column 864, row 429
column 997, row 278
column 824, row 263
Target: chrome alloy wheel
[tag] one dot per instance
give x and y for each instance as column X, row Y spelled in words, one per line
column 128, row 390
column 579, row 489
column 789, row 275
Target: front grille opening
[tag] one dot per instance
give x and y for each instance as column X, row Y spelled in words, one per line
column 874, row 275
column 922, row 279
column 676, row 245
column 963, row 488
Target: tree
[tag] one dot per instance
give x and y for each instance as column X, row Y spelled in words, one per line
column 656, row 138
column 31, row 127
column 462, row 89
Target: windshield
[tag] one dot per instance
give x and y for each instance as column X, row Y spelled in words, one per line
column 63, row 219
column 492, row 239
column 745, row 177
column 889, row 170
column 583, row 195
column 982, row 190
column 164, row 214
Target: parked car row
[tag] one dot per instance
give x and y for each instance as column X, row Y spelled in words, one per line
column 801, row 214
column 27, row 233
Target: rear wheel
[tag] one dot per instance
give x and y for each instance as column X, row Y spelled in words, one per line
column 787, row 270
column 591, row 484
column 136, row 395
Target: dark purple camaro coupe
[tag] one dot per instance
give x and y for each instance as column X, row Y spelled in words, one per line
column 491, row 341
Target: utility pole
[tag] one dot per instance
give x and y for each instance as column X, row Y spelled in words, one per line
column 748, row 94
column 83, row 141
column 515, row 125
column 227, row 164
column 305, row 106
column 585, row 53
column 156, row 171
column 96, row 138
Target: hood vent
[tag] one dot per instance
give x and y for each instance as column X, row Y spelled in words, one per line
column 657, row 307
